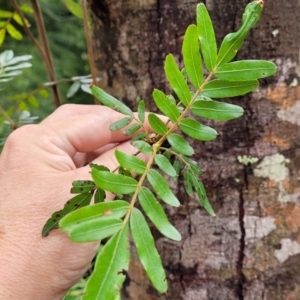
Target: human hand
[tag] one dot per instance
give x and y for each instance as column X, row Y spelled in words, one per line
column 37, row 167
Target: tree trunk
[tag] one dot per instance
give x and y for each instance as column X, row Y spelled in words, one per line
column 251, row 250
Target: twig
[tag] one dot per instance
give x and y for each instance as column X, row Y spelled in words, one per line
column 41, row 50
column 89, row 43
column 8, row 118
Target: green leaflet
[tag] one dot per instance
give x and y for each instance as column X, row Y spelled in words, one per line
column 139, row 136
column 188, row 184
column 246, row 70
column 216, row 110
column 115, row 183
column 99, row 196
column 177, row 165
column 94, row 230
column 141, row 111
column 200, row 190
column 14, row 32
column 166, row 105
column 132, row 129
column 105, row 210
column 147, row 252
column 196, row 130
column 82, row 186
column 108, row 276
column 71, row 205
column 224, row 89
column 179, row 144
column 165, row 165
column 176, row 80
column 191, row 56
column 143, row 146
column 233, row 41
column 130, row 162
column 120, row 123
column 157, row 124
column 157, row 215
column 207, row 37
column 110, row 101
column 161, row 188
column 98, row 167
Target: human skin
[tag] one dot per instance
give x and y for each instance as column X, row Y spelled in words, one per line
column 37, row 167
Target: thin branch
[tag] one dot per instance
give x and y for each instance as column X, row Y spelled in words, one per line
column 45, row 43
column 7, row 117
column 41, row 50
column 89, row 43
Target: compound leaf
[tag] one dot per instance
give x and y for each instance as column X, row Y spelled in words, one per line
column 207, row 37
column 177, row 80
column 224, row 89
column 166, row 105
column 196, row 130
column 233, row 41
column 157, row 124
column 120, row 123
column 161, row 188
column 216, row 110
column 130, row 162
column 108, row 276
column 179, row 144
column 191, row 56
column 147, row 251
column 76, row 202
column 157, row 215
column 246, row 70
column 115, row 183
column 165, row 165
column 110, row 101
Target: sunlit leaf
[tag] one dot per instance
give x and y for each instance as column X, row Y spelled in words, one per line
column 132, row 129
column 19, row 20
column 120, row 123
column 246, row 70
column 216, row 110
column 74, row 7
column 161, row 188
column 147, row 252
column 110, row 101
column 165, row 165
column 157, row 124
column 130, row 162
column 26, row 8
column 207, row 37
column 191, row 56
column 114, row 183
column 2, row 35
column 157, row 215
column 141, row 111
column 71, row 205
column 180, row 145
column 13, row 32
column 5, row 14
column 105, row 210
column 82, row 186
column 143, row 146
column 196, row 130
column 176, row 80
column 223, row 89
column 233, row 41
column 33, row 101
column 108, row 276
column 99, row 196
column 166, row 105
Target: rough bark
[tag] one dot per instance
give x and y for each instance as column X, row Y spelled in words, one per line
column 251, row 250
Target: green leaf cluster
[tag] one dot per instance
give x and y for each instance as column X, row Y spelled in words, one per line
column 148, row 184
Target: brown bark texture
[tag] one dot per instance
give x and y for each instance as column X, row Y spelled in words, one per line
column 251, row 250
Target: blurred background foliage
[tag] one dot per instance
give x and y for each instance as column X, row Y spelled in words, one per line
column 68, row 46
